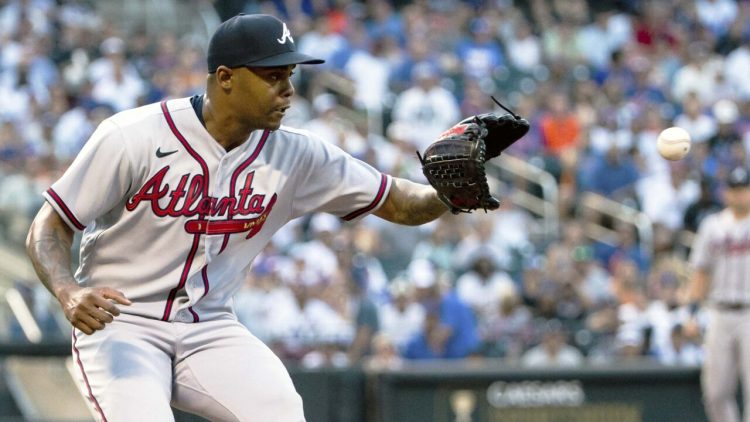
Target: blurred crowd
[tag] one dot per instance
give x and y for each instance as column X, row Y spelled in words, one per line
column 598, row 80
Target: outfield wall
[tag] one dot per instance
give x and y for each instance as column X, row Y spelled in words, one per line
column 468, row 391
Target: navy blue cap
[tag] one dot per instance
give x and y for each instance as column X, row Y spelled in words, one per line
column 254, row 40
column 738, row 177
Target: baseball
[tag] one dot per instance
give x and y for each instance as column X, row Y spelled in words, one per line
column 673, row 143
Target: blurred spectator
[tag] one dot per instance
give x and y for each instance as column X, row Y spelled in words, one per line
column 650, row 162
column 624, row 248
column 514, row 233
column 665, row 197
column 698, row 75
column 394, row 153
column 694, row 120
column 418, row 50
column 632, row 333
column 265, row 304
column 595, row 41
column 559, row 44
column 524, row 48
column 428, row 109
column 482, row 237
column 17, row 13
column 735, row 65
column 707, row 203
column 316, row 258
column 680, row 351
column 115, row 81
column 361, row 310
column 368, row 66
column 600, row 327
column 723, row 144
column 480, row 53
column 615, row 175
column 299, row 113
column 323, row 41
column 664, row 313
column 484, row 286
column 331, row 127
column 506, row 331
column 402, row 317
column 385, row 354
column 362, row 251
column 561, row 133
column 383, row 20
column 449, row 329
column 553, row 350
column 716, row 15
column 439, row 246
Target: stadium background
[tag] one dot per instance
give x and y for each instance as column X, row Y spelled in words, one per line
column 585, row 260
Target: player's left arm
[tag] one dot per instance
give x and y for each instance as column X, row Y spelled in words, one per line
column 411, row 203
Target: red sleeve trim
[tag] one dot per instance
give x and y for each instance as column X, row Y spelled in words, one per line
column 64, row 208
column 373, row 204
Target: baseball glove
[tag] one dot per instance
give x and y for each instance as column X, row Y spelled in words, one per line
column 454, row 164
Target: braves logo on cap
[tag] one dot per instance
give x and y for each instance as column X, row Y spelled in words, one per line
column 285, row 35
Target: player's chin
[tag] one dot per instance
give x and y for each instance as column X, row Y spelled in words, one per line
column 274, row 121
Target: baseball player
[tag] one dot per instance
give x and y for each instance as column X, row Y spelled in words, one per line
column 720, row 260
column 175, row 199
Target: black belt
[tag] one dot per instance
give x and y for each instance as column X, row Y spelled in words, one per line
column 732, row 306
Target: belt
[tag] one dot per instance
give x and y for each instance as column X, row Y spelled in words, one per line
column 732, row 306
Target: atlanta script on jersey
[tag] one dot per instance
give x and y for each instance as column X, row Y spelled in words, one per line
column 152, row 188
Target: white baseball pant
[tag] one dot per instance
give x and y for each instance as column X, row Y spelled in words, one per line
column 727, row 356
column 135, row 367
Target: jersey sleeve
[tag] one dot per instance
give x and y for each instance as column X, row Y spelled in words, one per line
column 700, row 254
column 333, row 181
column 96, row 181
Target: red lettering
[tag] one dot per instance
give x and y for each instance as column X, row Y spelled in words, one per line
column 226, row 205
column 187, row 200
column 177, row 194
column 152, row 191
column 256, row 204
column 194, row 195
column 245, row 192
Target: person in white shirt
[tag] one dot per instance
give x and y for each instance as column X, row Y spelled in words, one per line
column 553, row 349
column 427, row 108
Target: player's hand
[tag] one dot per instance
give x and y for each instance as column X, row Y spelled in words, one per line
column 691, row 329
column 90, row 308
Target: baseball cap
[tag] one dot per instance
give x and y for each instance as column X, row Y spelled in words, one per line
column 738, row 177
column 254, row 40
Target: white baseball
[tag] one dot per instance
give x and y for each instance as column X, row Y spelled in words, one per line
column 673, row 143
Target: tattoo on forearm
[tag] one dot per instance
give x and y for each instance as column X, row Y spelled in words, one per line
column 419, row 204
column 50, row 255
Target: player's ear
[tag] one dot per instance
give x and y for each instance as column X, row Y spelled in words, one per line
column 223, row 77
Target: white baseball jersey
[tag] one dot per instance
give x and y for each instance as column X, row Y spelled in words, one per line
column 722, row 248
column 171, row 219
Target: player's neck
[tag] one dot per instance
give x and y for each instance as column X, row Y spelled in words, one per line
column 225, row 129
column 739, row 214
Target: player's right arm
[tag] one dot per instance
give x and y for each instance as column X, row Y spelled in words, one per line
column 48, row 244
column 701, row 258
column 698, row 287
